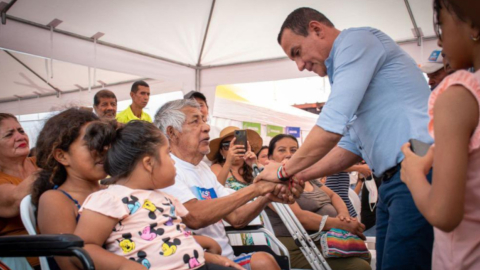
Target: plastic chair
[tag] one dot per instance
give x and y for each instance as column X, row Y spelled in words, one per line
column 27, row 214
column 357, row 204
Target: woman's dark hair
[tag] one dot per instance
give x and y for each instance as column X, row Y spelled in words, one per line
column 261, row 149
column 4, row 116
column 127, row 145
column 451, row 7
column 273, row 142
column 245, row 171
column 59, row 132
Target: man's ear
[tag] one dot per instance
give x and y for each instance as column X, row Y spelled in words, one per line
column 171, row 133
column 316, row 28
column 131, row 94
column 147, row 162
column 61, row 157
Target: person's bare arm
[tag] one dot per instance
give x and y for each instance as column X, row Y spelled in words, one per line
column 317, row 144
column 362, row 169
column 221, row 172
column 359, row 185
column 56, row 215
column 456, row 116
column 94, row 239
column 243, row 215
column 11, row 196
column 337, row 203
column 207, row 243
column 334, row 162
column 206, row 212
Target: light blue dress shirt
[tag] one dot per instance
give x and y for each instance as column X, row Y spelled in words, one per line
column 378, row 100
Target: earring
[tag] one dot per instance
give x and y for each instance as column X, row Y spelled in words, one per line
column 475, row 38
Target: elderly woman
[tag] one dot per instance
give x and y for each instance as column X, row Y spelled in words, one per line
column 16, row 177
column 316, row 201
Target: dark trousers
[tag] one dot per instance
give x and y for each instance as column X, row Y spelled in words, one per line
column 404, row 237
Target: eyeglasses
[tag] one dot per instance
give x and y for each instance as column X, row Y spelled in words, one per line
column 225, row 145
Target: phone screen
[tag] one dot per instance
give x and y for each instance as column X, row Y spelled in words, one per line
column 241, row 138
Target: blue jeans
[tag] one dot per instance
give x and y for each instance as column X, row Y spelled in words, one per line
column 404, row 237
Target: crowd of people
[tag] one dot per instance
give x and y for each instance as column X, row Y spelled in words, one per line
column 139, row 193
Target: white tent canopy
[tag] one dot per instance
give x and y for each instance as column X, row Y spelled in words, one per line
column 186, row 43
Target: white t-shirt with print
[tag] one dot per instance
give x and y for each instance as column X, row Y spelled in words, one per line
column 199, row 182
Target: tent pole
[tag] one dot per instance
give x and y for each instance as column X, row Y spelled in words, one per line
column 418, row 35
column 76, row 90
column 206, row 34
column 34, row 73
column 400, row 42
column 197, row 79
column 111, row 45
column 3, row 10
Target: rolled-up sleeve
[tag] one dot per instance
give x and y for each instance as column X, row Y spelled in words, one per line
column 347, row 144
column 357, row 58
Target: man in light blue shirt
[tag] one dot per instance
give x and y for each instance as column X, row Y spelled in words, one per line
column 378, row 102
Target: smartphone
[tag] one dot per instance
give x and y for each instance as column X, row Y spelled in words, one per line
column 241, row 138
column 418, row 147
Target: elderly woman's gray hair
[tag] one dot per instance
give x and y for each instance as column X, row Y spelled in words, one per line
column 170, row 114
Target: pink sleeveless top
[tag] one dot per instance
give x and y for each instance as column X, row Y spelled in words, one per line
column 460, row 249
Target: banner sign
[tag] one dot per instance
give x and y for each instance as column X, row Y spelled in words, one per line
column 294, row 131
column 253, row 126
column 273, row 131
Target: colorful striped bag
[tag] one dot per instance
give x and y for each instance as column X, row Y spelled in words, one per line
column 337, row 243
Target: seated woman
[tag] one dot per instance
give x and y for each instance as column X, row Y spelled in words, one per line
column 262, row 155
column 71, row 170
column 16, row 178
column 232, row 164
column 315, row 202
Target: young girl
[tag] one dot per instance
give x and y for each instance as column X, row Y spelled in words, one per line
column 451, row 202
column 71, row 169
column 136, row 225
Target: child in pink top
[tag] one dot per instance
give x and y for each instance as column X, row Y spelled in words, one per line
column 131, row 224
column 451, row 203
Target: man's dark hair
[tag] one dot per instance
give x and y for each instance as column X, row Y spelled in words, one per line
column 298, row 21
column 103, row 94
column 137, row 84
column 195, row 94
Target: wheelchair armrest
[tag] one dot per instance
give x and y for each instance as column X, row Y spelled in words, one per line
column 45, row 245
column 248, row 228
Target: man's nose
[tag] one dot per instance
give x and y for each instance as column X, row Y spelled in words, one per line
column 206, row 127
column 300, row 64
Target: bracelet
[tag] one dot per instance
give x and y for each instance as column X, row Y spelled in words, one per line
column 280, row 174
column 322, row 223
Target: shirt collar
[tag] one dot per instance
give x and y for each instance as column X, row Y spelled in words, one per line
column 183, row 163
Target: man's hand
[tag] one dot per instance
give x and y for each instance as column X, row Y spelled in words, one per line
column 220, row 260
column 363, row 170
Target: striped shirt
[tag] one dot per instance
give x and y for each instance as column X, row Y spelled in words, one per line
column 340, row 183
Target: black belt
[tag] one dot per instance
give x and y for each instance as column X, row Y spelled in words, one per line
column 390, row 172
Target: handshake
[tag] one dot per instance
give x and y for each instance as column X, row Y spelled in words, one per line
column 274, row 184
